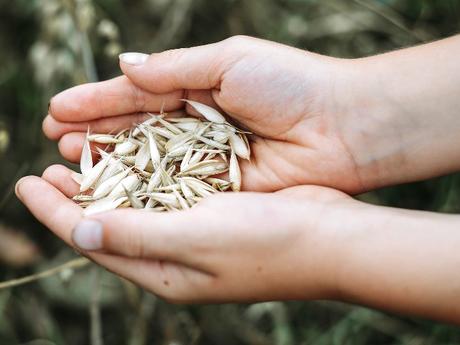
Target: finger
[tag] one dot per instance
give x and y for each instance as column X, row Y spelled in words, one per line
column 51, row 207
column 194, row 68
column 141, row 234
column 60, row 177
column 55, row 129
column 118, row 96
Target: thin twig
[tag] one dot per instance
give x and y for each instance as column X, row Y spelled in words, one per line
column 145, row 311
column 391, row 16
column 75, row 263
column 94, row 308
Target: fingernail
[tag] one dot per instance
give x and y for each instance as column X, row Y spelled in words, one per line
column 134, row 59
column 17, row 188
column 87, row 235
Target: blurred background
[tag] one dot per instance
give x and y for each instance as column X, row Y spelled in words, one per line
column 49, row 45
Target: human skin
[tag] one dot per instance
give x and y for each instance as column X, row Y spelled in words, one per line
column 353, row 125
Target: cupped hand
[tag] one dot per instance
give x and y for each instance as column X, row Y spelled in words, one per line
column 230, row 247
column 288, row 97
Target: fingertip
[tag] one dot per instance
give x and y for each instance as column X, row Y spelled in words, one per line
column 18, row 188
column 56, row 106
column 49, row 128
column 77, row 103
column 60, row 177
column 70, row 147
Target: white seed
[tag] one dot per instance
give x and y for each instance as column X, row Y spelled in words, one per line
column 238, row 145
column 107, row 186
column 104, row 139
column 234, row 172
column 163, row 132
column 165, row 123
column 187, row 126
column 196, row 157
column 182, row 202
column 187, row 119
column 220, row 137
column 103, row 205
column 199, row 187
column 165, row 198
column 186, row 158
column 209, row 113
column 153, row 147
column 212, row 143
column 86, row 158
column 142, row 157
column 133, row 200
column 148, row 122
column 125, row 148
column 92, row 175
column 129, row 182
column 210, row 167
column 186, row 189
column 177, row 141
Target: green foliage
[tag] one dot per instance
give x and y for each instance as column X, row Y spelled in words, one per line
column 49, row 45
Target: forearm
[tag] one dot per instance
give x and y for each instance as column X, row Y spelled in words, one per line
column 404, row 261
column 405, row 113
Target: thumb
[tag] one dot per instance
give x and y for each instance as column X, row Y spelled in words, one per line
column 136, row 234
column 187, row 68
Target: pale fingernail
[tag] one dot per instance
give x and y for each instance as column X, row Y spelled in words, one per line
column 17, row 188
column 87, row 235
column 134, row 59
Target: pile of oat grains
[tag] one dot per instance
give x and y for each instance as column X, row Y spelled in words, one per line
column 163, row 164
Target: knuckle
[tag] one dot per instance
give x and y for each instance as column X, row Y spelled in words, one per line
column 138, row 98
column 237, row 40
column 47, row 128
column 51, row 171
column 172, row 55
column 135, row 245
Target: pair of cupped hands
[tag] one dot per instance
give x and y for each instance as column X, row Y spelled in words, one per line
column 278, row 239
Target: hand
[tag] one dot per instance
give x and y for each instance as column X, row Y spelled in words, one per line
column 353, row 125
column 301, row 243
column 229, row 247
column 286, row 96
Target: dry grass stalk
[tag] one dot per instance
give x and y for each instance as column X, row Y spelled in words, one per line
column 162, row 164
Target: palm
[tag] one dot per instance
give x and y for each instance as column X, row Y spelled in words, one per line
column 297, row 139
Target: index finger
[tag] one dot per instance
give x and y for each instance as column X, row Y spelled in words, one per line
column 117, row 96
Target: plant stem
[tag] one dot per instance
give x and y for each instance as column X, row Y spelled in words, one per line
column 75, row 263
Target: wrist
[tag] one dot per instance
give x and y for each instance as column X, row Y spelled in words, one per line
column 373, row 128
column 395, row 260
column 325, row 241
column 398, row 113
